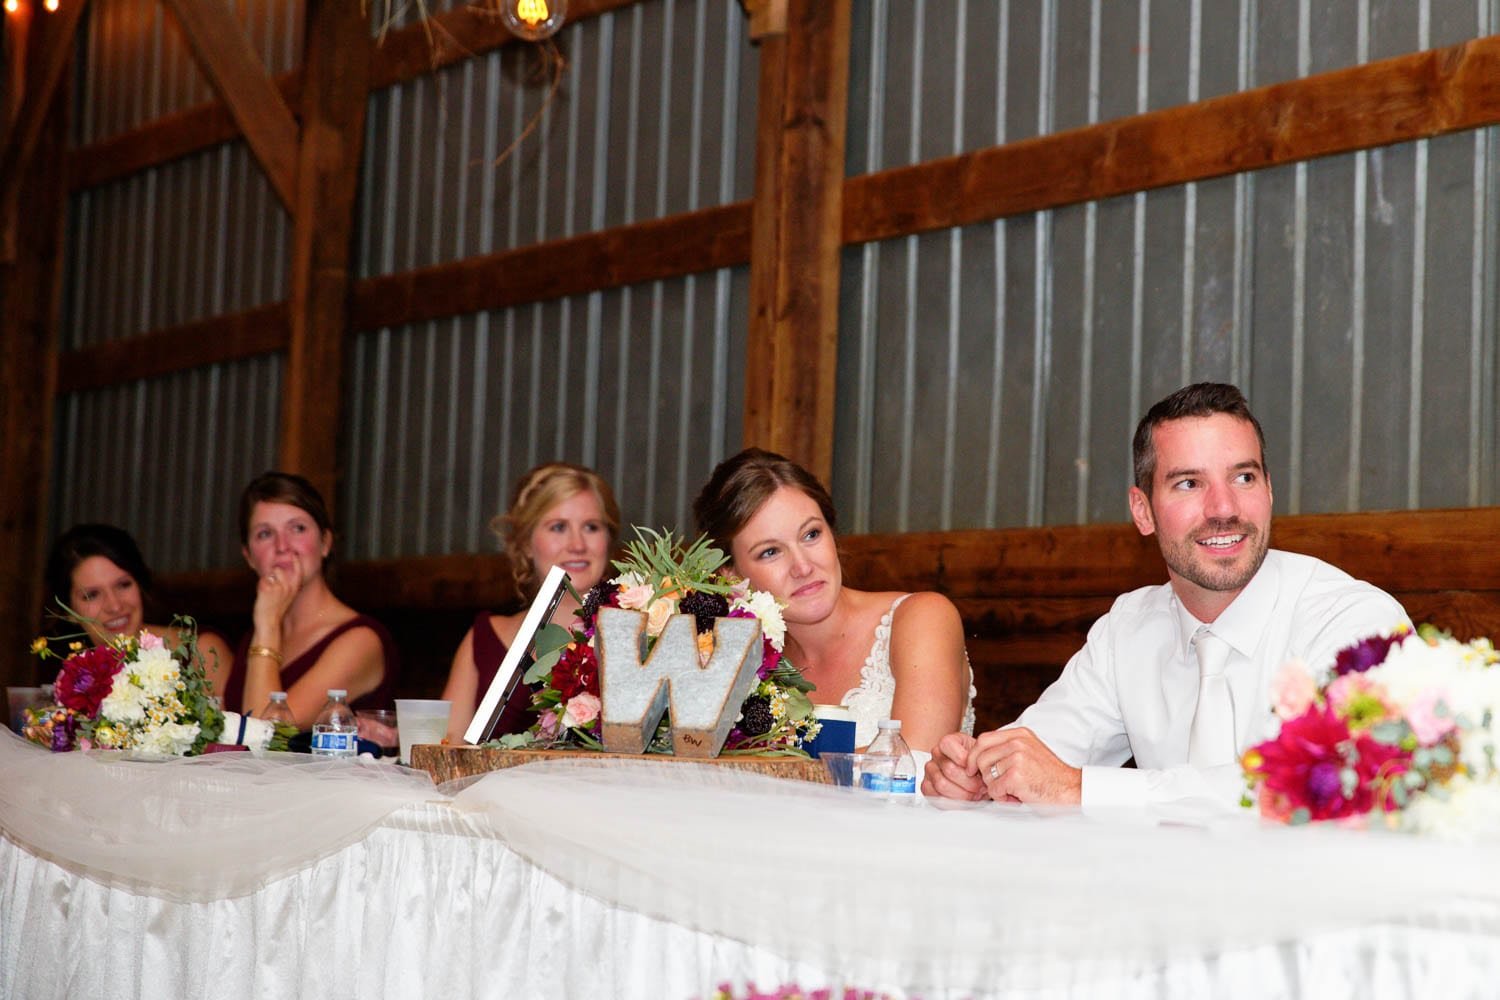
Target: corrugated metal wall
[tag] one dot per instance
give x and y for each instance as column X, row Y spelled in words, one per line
column 1353, row 297
column 988, row 376
column 654, row 115
column 195, row 238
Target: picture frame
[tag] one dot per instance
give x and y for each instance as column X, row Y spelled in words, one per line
column 507, row 686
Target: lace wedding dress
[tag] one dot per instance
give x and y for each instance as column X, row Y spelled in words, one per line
column 871, row 700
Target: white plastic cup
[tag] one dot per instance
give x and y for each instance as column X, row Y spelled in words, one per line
column 421, row 720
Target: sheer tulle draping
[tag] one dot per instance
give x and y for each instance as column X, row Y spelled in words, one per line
column 192, row 828
column 583, row 878
column 922, row 896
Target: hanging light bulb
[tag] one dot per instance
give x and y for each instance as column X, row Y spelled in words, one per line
column 11, row 6
column 50, row 4
column 533, row 20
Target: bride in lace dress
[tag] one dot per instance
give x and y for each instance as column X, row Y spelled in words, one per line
column 880, row 654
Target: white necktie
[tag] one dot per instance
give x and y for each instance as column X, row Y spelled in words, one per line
column 1212, row 740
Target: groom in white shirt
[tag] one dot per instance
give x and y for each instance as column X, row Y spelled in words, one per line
column 1177, row 676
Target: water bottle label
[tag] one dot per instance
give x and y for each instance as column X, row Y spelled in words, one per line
column 875, row 782
column 326, row 742
column 904, row 785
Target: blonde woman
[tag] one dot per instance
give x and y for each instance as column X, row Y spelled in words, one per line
column 560, row 515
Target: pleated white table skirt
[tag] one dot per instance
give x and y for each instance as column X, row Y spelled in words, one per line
column 432, row 904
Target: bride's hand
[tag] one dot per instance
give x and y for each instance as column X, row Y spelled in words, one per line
column 948, row 775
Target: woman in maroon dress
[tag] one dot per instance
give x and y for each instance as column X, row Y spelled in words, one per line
column 304, row 640
column 561, row 515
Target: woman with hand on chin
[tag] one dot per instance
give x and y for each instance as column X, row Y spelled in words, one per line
column 304, row 640
column 98, row 571
column 880, row 654
column 560, row 515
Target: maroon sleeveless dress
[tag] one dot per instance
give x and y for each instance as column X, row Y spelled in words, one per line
column 489, row 653
column 381, row 697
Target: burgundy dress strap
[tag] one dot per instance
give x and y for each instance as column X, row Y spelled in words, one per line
column 489, row 652
column 292, row 671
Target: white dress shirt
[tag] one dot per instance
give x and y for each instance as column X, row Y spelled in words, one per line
column 1132, row 689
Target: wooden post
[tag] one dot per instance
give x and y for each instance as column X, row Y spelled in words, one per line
column 30, row 289
column 336, row 85
column 792, row 352
column 47, row 47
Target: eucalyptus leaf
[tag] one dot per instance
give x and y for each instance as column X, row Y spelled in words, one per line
column 542, row 668
column 515, row 741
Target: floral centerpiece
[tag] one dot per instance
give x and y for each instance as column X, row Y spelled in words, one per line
column 662, row 577
column 1403, row 730
column 137, row 693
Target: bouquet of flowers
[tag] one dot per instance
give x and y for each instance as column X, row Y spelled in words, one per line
column 662, row 577
column 136, row 693
column 1404, row 729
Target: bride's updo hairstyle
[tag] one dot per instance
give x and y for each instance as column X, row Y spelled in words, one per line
column 541, row 489
column 740, row 485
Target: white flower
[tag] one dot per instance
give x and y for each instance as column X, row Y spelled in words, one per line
column 126, row 702
column 765, row 607
column 1461, row 810
column 158, row 671
column 628, row 579
column 170, row 738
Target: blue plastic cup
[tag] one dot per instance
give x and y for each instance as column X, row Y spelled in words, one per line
column 837, row 734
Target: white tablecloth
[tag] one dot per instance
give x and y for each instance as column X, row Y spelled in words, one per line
column 437, row 900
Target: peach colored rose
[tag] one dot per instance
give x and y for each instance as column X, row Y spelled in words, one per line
column 661, row 612
column 635, row 598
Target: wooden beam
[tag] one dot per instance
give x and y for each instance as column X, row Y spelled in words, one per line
column 1395, row 100
column 48, row 50
column 229, row 61
column 456, row 35
column 179, row 348
column 335, row 94
column 767, row 18
column 402, row 55
column 1009, row 580
column 792, row 350
column 646, row 251
column 164, row 139
column 30, row 294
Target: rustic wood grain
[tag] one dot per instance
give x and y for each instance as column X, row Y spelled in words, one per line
column 233, row 68
column 446, row 763
column 677, row 245
column 792, row 347
column 150, row 355
column 1394, row 100
column 47, row 50
column 336, row 66
column 162, row 140
column 30, row 291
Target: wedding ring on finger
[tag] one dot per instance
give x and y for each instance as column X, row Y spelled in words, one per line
column 994, row 771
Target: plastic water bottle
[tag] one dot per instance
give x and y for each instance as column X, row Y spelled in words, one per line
column 336, row 732
column 277, row 710
column 888, row 765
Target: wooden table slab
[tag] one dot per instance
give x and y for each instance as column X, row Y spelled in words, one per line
column 445, row 763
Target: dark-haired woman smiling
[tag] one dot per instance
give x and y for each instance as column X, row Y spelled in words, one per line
column 98, row 571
